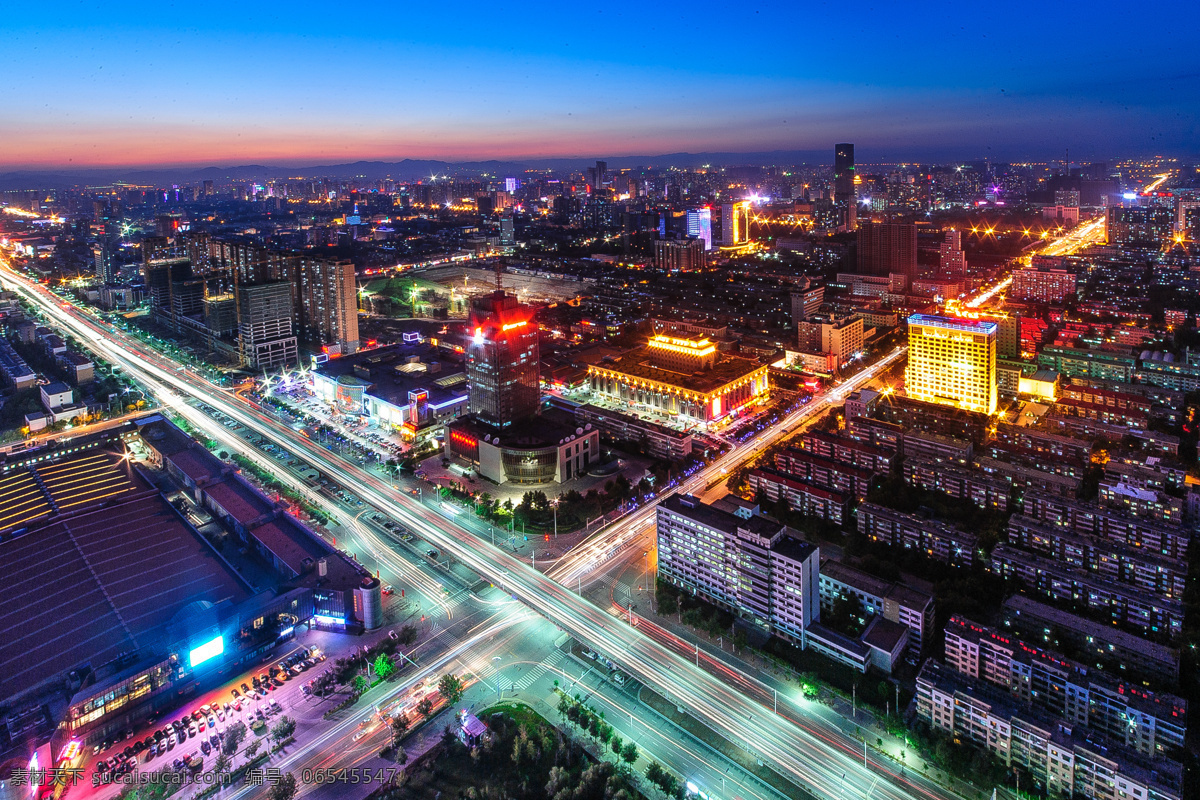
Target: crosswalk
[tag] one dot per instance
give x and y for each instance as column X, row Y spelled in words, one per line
column 488, row 674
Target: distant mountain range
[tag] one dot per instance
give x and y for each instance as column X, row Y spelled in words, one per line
column 407, row 170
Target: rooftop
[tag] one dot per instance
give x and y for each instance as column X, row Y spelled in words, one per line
column 90, row 586
column 727, row 369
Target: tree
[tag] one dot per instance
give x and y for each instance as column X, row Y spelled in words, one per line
column 425, row 707
column 283, row 729
column 384, row 667
column 252, row 749
column 629, row 753
column 233, row 738
column 399, row 726
column 221, row 765
column 616, row 744
column 360, row 684
column 451, row 688
column 285, row 789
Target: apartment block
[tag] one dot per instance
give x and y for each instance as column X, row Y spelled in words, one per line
column 1142, row 502
column 937, row 447
column 1103, row 646
column 966, row 484
column 1021, row 476
column 822, row 471
column 1123, row 604
column 1043, row 443
column 1108, row 523
column 934, row 539
column 895, row 602
column 876, row 432
column 847, row 450
column 1111, row 560
column 746, row 564
column 802, row 495
column 1151, row 723
column 1038, row 744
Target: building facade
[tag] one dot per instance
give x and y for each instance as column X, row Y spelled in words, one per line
column 952, row 361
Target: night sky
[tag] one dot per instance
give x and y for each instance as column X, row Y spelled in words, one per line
column 223, row 82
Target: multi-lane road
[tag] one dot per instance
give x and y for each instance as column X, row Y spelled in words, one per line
column 804, row 750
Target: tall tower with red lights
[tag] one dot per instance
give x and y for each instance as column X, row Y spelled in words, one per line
column 502, row 360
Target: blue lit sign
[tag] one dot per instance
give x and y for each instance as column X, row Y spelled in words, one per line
column 207, row 651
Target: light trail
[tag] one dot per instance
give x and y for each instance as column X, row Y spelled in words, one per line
column 815, row 754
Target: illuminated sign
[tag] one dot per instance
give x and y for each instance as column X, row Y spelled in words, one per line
column 70, row 751
column 206, row 651
column 511, row 325
column 325, row 619
column 479, row 336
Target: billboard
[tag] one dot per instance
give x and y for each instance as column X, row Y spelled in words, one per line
column 206, row 651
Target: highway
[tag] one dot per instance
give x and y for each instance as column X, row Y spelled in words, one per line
column 825, row 762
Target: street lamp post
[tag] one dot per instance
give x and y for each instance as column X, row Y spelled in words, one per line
column 554, row 505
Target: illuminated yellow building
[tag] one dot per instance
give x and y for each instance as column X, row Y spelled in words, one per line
column 952, row 360
column 684, row 379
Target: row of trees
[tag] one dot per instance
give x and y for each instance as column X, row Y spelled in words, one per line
column 576, row 714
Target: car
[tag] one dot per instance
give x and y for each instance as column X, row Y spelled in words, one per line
column 205, row 709
column 214, row 740
column 205, row 748
column 258, row 712
column 202, row 725
column 245, row 689
column 256, row 682
column 618, row 678
column 212, row 722
column 237, row 705
column 197, row 716
column 262, row 690
column 236, row 694
column 191, row 731
column 154, row 749
column 171, row 741
column 590, row 654
column 275, row 705
column 433, row 554
column 220, row 715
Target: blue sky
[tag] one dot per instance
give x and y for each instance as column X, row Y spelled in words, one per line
column 301, row 82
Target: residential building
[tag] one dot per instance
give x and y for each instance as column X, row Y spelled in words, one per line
column 893, row 601
column 1124, row 604
column 679, row 255
column 746, row 564
column 1042, row 748
column 934, row 539
column 502, row 360
column 887, row 248
column 1043, row 285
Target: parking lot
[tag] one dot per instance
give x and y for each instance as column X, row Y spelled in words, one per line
column 187, row 741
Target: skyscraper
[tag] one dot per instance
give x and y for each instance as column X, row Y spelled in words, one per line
column 265, row 335
column 952, row 262
column 843, row 173
column 502, row 360
column 887, row 247
column 952, row 361
column 735, row 223
column 699, row 224
column 106, row 269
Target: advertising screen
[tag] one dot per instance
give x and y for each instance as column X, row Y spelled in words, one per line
column 206, row 651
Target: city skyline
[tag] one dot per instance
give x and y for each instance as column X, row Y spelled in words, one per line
column 255, row 85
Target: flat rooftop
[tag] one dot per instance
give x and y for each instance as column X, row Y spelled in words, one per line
column 637, row 364
column 35, row 491
column 89, row 586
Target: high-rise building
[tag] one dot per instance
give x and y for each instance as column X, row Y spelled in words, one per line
column 265, row 336
column 747, row 564
column 885, row 248
column 844, row 173
column 806, row 302
column 699, row 225
column 952, row 260
column 679, row 255
column 735, row 223
column 325, row 301
column 1140, row 225
column 502, row 360
column 106, row 268
column 952, row 360
column 508, row 236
